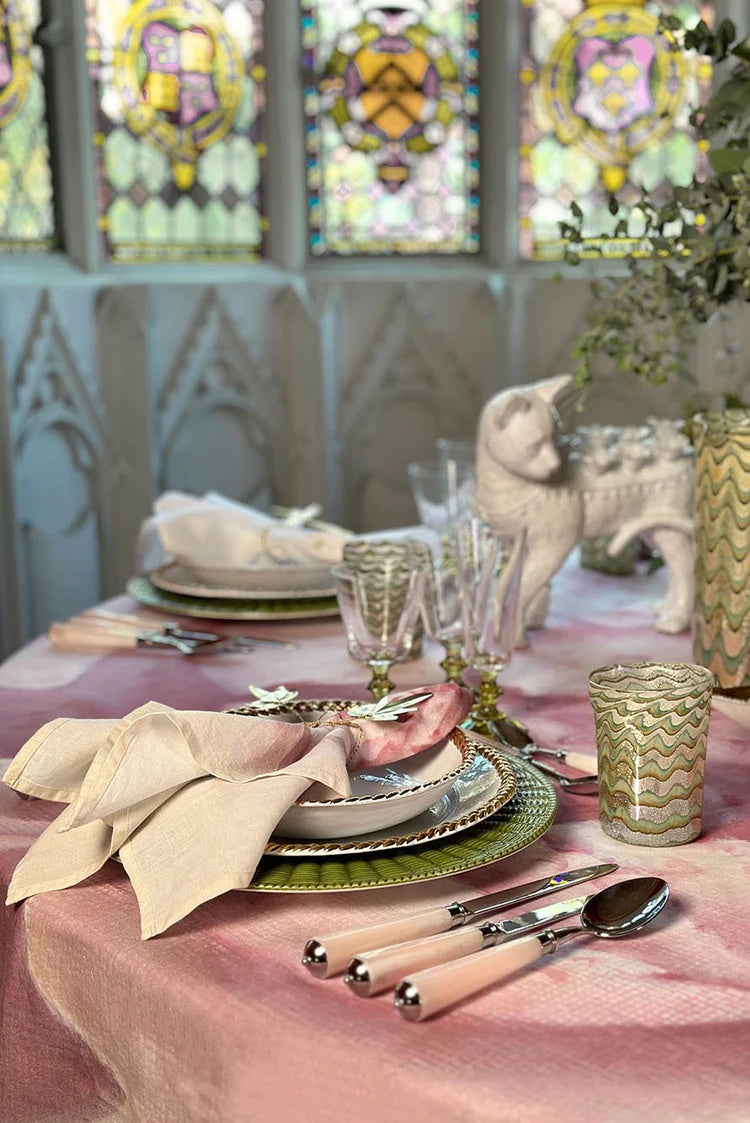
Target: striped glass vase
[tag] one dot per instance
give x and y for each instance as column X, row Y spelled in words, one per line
column 721, row 637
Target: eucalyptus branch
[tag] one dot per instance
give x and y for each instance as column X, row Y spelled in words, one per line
column 692, row 257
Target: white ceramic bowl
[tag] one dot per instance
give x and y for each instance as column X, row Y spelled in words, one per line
column 382, row 796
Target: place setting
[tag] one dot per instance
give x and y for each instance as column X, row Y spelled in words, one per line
column 211, row 557
column 460, row 583
column 303, row 795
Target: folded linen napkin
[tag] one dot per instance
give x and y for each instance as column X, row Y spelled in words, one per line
column 215, row 531
column 190, row 798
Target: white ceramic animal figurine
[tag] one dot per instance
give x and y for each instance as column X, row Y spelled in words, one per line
column 621, row 482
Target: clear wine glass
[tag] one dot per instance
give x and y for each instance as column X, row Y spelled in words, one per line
column 442, row 490
column 442, row 607
column 380, row 607
column 490, row 569
column 462, row 450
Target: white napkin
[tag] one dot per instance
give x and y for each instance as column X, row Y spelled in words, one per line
column 214, row 531
column 189, row 798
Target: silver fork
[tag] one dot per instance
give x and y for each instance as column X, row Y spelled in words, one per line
column 515, row 736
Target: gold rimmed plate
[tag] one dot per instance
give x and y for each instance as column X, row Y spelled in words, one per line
column 145, row 592
column 282, row 582
column 478, row 792
column 383, row 796
column 516, row 825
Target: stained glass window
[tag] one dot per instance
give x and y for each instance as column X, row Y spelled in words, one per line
column 605, row 113
column 179, row 95
column 391, row 105
column 26, row 212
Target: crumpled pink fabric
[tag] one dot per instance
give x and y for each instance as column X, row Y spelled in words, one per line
column 433, row 720
column 187, row 798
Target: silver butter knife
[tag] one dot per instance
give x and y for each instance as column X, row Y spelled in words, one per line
column 373, row 972
column 328, row 955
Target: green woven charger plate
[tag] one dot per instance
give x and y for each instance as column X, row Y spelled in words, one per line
column 275, row 608
column 516, row 825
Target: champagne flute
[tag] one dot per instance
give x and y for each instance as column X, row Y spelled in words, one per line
column 490, row 567
column 380, row 609
column 442, row 607
column 442, row 491
column 462, row 450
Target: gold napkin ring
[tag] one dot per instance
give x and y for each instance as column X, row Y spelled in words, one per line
column 352, row 725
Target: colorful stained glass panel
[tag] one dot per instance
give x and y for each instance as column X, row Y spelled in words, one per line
column 179, row 90
column 391, row 104
column 605, row 114
column 26, row 211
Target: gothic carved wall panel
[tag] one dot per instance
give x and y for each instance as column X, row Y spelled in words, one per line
column 306, row 462
column 218, row 408
column 121, row 335
column 410, row 369
column 10, row 623
column 59, row 437
column 287, row 390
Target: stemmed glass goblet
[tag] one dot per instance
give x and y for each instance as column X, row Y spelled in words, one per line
column 490, row 567
column 380, row 608
column 442, row 606
column 442, row 491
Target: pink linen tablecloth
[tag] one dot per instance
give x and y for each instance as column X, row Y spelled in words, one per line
column 216, row 1021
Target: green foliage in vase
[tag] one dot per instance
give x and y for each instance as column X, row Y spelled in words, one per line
column 693, row 260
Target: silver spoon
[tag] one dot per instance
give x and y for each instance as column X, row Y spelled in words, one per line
column 515, row 735
column 619, row 910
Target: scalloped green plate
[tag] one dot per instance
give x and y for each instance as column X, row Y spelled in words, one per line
column 275, row 608
column 517, row 824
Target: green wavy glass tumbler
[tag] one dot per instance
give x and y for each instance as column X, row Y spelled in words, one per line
column 721, row 637
column 651, row 724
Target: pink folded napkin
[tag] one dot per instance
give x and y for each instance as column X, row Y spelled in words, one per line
column 190, row 798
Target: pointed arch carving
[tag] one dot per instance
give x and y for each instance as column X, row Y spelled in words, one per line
column 407, row 369
column 405, row 358
column 50, row 393
column 49, row 388
column 60, row 437
column 218, row 385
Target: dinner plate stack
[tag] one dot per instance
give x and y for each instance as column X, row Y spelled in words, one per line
column 452, row 807
column 283, row 592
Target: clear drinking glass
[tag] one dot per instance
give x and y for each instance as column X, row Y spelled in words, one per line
column 364, row 554
column 380, row 609
column 442, row 609
column 442, row 491
column 463, row 452
column 490, row 569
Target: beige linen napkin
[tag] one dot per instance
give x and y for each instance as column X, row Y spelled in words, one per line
column 214, row 531
column 190, row 798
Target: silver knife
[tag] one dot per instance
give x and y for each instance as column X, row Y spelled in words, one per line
column 328, row 955
column 375, row 971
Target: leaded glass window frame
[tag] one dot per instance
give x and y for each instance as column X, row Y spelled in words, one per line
column 70, row 112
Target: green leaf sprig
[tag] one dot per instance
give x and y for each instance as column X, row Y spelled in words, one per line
column 692, row 260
